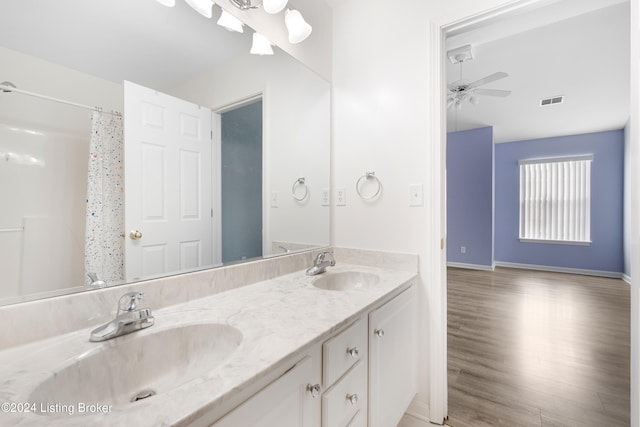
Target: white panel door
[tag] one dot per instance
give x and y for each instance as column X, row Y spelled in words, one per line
column 168, row 183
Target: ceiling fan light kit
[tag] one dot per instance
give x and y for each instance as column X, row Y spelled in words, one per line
column 459, row 92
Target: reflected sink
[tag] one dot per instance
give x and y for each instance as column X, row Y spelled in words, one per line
column 346, row 280
column 140, row 364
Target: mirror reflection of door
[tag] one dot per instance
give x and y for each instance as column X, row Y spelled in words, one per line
column 168, row 184
column 241, row 157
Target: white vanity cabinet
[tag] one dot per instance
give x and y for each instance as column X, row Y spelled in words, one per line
column 293, row 400
column 392, row 359
column 363, row 376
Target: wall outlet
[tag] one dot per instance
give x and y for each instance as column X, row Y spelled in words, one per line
column 341, row 196
column 325, row 197
column 463, row 249
column 275, row 199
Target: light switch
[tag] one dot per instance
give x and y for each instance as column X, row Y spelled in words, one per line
column 275, row 199
column 416, row 195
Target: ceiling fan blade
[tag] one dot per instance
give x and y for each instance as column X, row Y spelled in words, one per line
column 492, row 78
column 492, row 92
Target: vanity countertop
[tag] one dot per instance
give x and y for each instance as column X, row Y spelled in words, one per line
column 278, row 319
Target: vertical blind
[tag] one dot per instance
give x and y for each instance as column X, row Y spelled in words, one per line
column 555, row 199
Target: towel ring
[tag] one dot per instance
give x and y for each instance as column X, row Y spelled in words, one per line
column 366, row 176
column 300, row 182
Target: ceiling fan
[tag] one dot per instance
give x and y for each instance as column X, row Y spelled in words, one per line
column 459, row 91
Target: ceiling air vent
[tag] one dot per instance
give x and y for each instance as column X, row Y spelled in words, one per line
column 552, row 101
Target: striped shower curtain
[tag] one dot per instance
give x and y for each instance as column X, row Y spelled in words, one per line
column 104, row 245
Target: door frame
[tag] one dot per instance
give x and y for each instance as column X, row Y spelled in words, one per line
column 438, row 387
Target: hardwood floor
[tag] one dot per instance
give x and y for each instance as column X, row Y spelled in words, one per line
column 531, row 348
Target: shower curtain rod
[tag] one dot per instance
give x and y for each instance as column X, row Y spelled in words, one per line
column 9, row 87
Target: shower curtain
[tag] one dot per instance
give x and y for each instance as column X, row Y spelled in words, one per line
column 104, row 245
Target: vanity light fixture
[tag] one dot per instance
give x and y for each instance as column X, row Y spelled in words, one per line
column 203, row 7
column 297, row 27
column 230, row 22
column 261, row 45
column 168, row 3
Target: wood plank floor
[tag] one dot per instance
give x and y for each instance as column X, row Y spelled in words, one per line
column 531, row 348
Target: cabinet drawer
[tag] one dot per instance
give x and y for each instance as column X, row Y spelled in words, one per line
column 343, row 351
column 346, row 398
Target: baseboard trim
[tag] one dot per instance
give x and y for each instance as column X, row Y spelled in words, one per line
column 585, row 272
column 626, row 278
column 418, row 409
column 471, row 266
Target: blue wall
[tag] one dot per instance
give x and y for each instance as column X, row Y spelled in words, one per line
column 606, row 251
column 470, row 196
column 241, row 158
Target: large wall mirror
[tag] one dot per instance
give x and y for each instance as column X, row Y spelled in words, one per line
column 199, row 153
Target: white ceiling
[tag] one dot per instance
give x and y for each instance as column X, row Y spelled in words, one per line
column 579, row 49
column 138, row 40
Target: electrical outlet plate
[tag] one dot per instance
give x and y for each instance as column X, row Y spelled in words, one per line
column 275, row 199
column 325, row 197
column 341, row 196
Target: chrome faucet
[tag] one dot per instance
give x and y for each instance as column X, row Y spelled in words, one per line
column 320, row 264
column 129, row 318
column 96, row 282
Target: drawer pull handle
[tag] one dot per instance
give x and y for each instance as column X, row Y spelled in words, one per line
column 353, row 352
column 353, row 398
column 379, row 332
column 314, row 390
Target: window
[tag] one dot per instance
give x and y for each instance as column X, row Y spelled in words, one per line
column 555, row 200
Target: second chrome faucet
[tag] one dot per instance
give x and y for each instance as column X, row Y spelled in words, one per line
column 321, row 263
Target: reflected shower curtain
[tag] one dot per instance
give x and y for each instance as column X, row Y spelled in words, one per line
column 104, row 245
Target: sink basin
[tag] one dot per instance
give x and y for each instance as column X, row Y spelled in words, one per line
column 346, row 280
column 140, row 365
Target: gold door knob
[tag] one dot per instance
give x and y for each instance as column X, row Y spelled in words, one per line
column 135, row 235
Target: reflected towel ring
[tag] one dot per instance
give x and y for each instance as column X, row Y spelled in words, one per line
column 366, row 176
column 300, row 182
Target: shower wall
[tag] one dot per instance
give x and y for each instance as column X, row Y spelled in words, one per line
column 44, row 148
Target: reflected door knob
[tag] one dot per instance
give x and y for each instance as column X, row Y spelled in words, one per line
column 379, row 332
column 353, row 352
column 135, row 235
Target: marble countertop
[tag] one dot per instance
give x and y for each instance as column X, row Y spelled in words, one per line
column 277, row 318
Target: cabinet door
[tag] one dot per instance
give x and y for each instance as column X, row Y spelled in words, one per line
column 286, row 402
column 392, row 359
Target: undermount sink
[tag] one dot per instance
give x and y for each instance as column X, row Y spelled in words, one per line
column 346, row 280
column 140, row 365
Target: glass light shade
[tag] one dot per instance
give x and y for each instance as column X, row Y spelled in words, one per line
column 274, row 6
column 230, row 22
column 260, row 45
column 168, row 3
column 297, row 27
column 203, row 7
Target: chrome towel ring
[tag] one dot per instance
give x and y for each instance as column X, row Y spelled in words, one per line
column 367, row 176
column 300, row 182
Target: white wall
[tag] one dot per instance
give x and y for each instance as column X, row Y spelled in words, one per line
column 296, row 137
column 47, row 199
